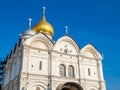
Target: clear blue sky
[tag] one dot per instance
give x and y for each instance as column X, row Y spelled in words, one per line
column 89, row 21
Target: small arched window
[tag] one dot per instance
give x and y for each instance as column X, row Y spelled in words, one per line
column 65, row 51
column 70, row 71
column 62, row 70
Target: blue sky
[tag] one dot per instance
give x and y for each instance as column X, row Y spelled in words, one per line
column 89, row 21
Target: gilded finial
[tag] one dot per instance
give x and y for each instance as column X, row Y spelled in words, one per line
column 66, row 27
column 44, row 8
column 30, row 23
column 44, row 26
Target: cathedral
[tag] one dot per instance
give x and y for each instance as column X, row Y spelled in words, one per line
column 37, row 62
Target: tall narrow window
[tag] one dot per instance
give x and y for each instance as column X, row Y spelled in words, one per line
column 70, row 71
column 89, row 71
column 40, row 65
column 62, row 70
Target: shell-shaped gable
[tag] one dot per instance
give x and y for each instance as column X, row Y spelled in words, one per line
column 66, row 45
column 39, row 41
column 91, row 52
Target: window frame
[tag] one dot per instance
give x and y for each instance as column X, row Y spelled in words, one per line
column 62, row 70
column 71, row 71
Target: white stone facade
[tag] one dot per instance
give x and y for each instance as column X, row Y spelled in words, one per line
column 35, row 62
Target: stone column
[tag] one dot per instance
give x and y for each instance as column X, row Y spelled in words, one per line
column 50, row 70
column 100, row 75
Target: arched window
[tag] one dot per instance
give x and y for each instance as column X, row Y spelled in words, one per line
column 70, row 71
column 37, row 88
column 62, row 70
column 65, row 51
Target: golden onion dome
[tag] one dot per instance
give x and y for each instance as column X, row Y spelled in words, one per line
column 44, row 27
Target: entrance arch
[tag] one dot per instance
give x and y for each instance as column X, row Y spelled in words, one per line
column 69, row 86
